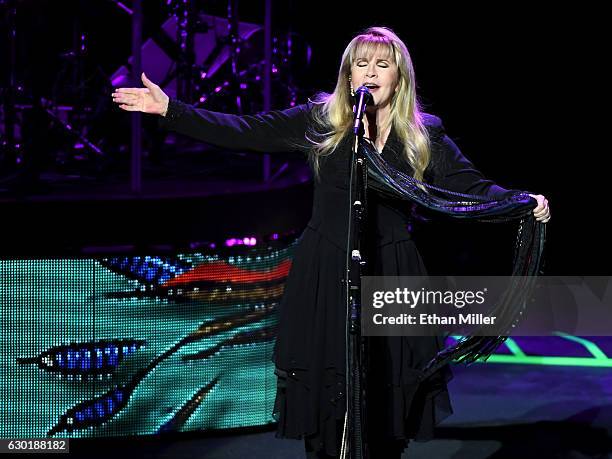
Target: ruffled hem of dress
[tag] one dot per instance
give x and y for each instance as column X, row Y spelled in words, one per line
column 425, row 405
column 294, row 402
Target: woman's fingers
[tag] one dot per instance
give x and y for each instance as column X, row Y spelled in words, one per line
column 541, row 212
column 129, row 108
column 543, row 216
column 148, row 99
column 130, row 96
column 546, row 210
column 130, row 103
column 126, row 97
column 133, row 91
column 148, row 83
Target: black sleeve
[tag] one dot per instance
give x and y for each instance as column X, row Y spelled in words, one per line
column 453, row 171
column 272, row 131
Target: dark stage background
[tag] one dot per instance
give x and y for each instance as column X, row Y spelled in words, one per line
column 517, row 87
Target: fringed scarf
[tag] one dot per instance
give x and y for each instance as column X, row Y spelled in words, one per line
column 528, row 248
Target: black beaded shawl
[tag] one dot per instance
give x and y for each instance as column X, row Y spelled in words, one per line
column 528, row 249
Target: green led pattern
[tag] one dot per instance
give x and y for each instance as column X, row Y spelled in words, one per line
column 139, row 345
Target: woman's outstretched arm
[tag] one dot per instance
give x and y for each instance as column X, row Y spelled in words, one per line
column 273, row 131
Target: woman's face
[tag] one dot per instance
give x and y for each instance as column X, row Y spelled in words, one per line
column 378, row 72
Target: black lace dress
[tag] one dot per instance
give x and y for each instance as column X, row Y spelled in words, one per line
column 309, row 353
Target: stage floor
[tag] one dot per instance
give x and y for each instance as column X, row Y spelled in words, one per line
column 501, row 412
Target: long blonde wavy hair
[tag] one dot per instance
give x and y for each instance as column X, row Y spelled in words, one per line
column 333, row 114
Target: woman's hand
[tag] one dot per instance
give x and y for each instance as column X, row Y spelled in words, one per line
column 542, row 211
column 150, row 99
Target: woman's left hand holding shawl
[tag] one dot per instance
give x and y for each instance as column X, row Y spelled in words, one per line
column 541, row 211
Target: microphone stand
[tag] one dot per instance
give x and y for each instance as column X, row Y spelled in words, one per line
column 354, row 444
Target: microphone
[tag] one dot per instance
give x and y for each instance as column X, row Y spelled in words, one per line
column 363, row 98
